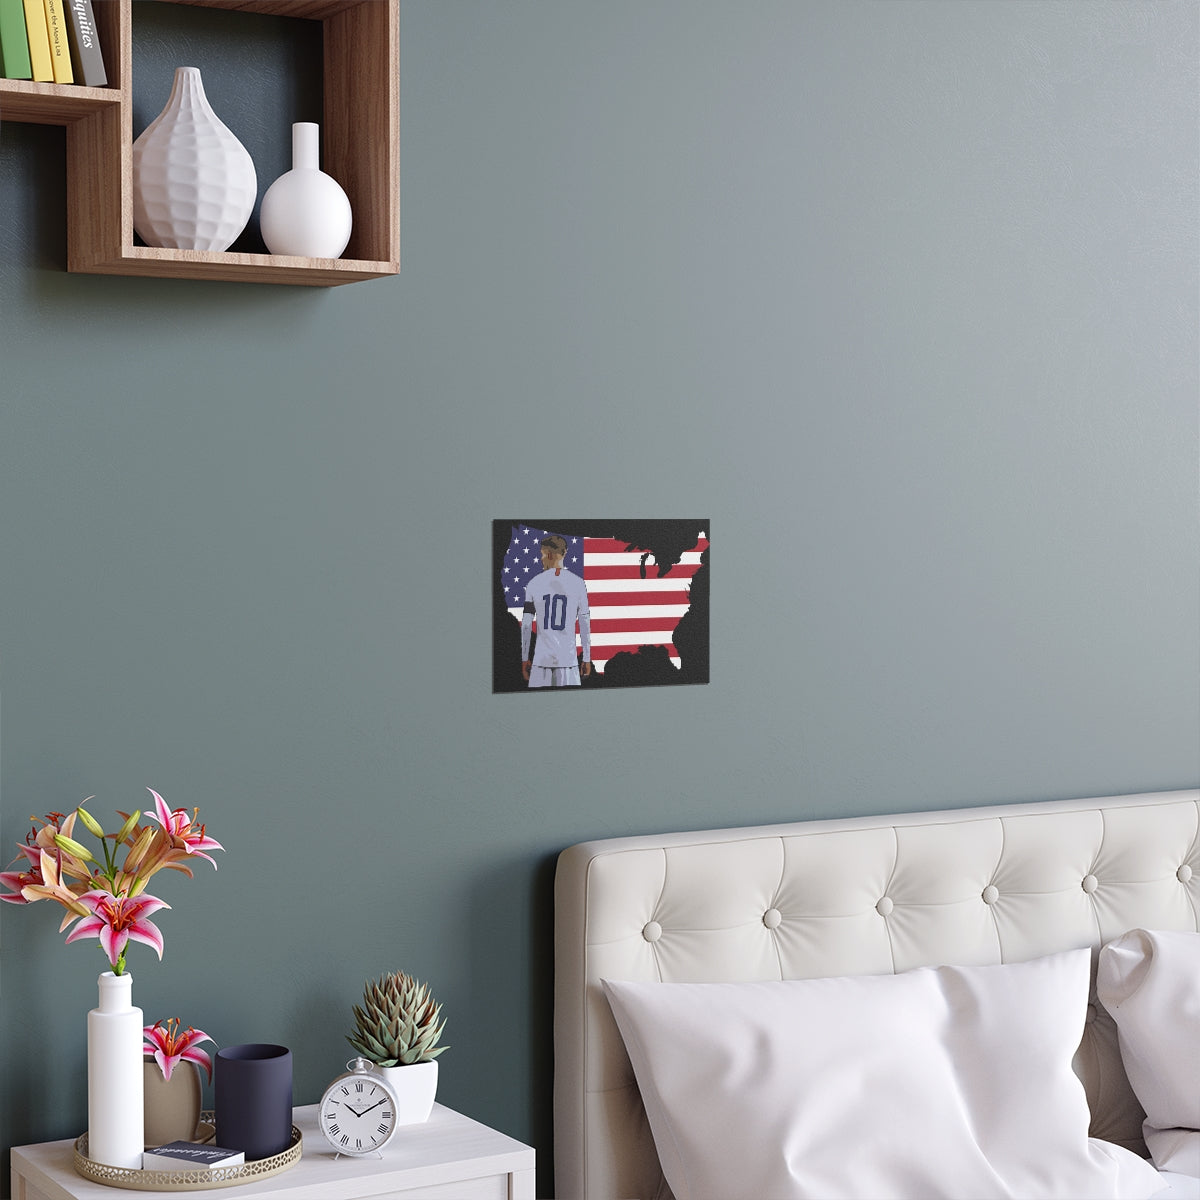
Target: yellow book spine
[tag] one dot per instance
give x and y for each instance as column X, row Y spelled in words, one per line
column 60, row 47
column 39, row 41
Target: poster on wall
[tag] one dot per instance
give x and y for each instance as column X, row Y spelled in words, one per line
column 586, row 604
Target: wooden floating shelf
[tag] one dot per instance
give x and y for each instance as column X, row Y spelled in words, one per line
column 360, row 131
column 51, row 103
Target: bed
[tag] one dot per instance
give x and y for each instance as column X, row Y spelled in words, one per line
column 723, row 922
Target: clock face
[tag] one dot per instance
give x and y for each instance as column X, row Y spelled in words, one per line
column 357, row 1115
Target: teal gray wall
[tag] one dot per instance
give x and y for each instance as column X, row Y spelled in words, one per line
column 903, row 295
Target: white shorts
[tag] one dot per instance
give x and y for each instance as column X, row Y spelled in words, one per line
column 553, row 677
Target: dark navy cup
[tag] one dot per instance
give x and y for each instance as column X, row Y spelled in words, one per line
column 252, row 1088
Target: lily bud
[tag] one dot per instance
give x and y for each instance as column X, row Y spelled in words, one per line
column 92, row 824
column 73, row 848
column 129, row 826
column 137, row 852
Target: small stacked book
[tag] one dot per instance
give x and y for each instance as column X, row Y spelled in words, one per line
column 184, row 1156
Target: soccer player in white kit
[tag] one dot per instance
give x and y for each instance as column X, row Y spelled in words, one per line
column 558, row 599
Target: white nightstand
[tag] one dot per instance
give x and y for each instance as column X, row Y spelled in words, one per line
column 449, row 1157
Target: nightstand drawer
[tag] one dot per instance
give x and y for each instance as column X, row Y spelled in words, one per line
column 494, row 1187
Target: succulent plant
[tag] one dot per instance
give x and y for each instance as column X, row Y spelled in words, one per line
column 397, row 1023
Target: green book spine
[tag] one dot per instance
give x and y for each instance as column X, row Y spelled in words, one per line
column 14, row 48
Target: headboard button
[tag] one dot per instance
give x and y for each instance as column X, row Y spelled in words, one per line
column 1184, row 874
column 991, row 894
column 652, row 931
column 772, row 918
column 1090, row 884
column 885, row 906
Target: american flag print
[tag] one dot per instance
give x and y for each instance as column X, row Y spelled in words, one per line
column 631, row 604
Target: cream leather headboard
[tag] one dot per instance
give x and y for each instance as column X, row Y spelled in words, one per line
column 862, row 896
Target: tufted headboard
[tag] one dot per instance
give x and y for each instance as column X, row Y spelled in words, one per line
column 860, row 896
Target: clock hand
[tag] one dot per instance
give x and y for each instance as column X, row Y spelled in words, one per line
column 375, row 1105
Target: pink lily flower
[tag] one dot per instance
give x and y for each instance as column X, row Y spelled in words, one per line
column 39, row 842
column 52, row 823
column 116, row 920
column 168, row 1046
column 105, row 899
column 184, row 834
column 51, row 887
column 42, row 882
column 15, row 881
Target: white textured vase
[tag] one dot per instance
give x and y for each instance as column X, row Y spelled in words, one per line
column 305, row 211
column 414, row 1087
column 194, row 183
column 115, row 1089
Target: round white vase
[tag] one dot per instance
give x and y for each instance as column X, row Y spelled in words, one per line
column 415, row 1088
column 115, row 1089
column 305, row 211
column 194, row 183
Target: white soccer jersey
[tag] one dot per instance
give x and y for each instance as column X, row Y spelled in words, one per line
column 559, row 600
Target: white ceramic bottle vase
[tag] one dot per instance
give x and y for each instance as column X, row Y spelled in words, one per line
column 305, row 211
column 194, row 183
column 115, row 1090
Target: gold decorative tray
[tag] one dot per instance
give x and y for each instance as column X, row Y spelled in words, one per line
column 186, row 1180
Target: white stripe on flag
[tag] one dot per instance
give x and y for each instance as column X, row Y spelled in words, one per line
column 638, row 585
column 647, row 637
column 600, row 558
column 640, row 637
column 616, row 612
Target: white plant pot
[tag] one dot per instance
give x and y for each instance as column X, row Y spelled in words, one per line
column 305, row 211
column 194, row 183
column 115, row 1089
column 415, row 1088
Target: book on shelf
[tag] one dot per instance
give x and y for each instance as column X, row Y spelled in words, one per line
column 14, row 49
column 60, row 48
column 86, row 59
column 190, row 1156
column 39, row 41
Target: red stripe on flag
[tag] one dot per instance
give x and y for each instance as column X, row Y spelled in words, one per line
column 634, row 571
column 616, row 546
column 629, row 575
column 620, row 599
column 633, row 624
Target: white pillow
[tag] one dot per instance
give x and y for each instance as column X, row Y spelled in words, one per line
column 1150, row 982
column 947, row 1082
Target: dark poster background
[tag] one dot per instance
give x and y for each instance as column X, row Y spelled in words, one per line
column 667, row 541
